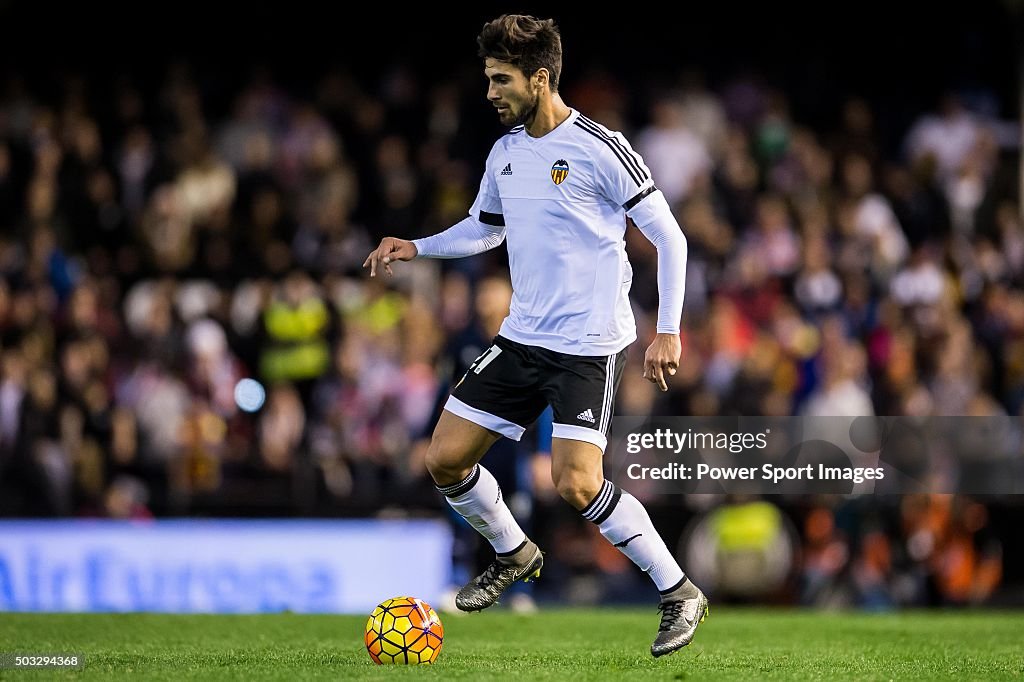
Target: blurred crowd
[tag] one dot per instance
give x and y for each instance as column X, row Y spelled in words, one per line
column 162, row 241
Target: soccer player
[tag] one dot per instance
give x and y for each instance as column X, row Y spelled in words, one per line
column 558, row 188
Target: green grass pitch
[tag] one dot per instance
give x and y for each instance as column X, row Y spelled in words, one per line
column 563, row 644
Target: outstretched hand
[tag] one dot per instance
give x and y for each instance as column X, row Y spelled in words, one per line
column 662, row 359
column 390, row 249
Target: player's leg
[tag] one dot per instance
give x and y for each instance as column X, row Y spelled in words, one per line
column 494, row 399
column 452, row 460
column 576, row 469
column 582, row 396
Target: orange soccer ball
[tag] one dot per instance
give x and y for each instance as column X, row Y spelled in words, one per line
column 404, row 630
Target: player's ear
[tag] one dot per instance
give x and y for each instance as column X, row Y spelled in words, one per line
column 540, row 77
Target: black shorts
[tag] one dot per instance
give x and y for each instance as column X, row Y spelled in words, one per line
column 510, row 384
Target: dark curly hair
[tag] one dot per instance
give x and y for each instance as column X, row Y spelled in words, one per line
column 526, row 42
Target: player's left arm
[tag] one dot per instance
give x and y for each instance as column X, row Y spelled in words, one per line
column 626, row 180
column 655, row 220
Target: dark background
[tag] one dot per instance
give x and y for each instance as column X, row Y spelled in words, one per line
column 900, row 56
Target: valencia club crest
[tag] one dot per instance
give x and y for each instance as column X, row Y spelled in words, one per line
column 559, row 171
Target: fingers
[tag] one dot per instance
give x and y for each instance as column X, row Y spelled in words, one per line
column 372, row 259
column 380, row 255
column 659, row 377
column 654, row 371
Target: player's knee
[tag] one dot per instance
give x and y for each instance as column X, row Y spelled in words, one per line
column 578, row 488
column 443, row 467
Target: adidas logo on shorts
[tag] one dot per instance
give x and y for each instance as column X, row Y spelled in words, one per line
column 586, row 416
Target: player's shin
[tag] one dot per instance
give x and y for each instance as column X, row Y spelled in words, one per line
column 624, row 522
column 478, row 499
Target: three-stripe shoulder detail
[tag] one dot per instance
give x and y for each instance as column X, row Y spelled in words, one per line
column 626, row 156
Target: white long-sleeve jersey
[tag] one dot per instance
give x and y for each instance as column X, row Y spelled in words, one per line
column 561, row 201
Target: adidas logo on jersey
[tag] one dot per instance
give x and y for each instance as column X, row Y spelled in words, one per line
column 586, row 416
column 507, row 170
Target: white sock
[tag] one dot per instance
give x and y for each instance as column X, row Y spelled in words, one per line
column 624, row 523
column 478, row 499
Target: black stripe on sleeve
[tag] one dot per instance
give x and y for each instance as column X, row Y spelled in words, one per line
column 626, row 151
column 603, row 138
column 494, row 219
column 639, row 197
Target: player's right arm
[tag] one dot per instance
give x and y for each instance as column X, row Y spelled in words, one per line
column 482, row 230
